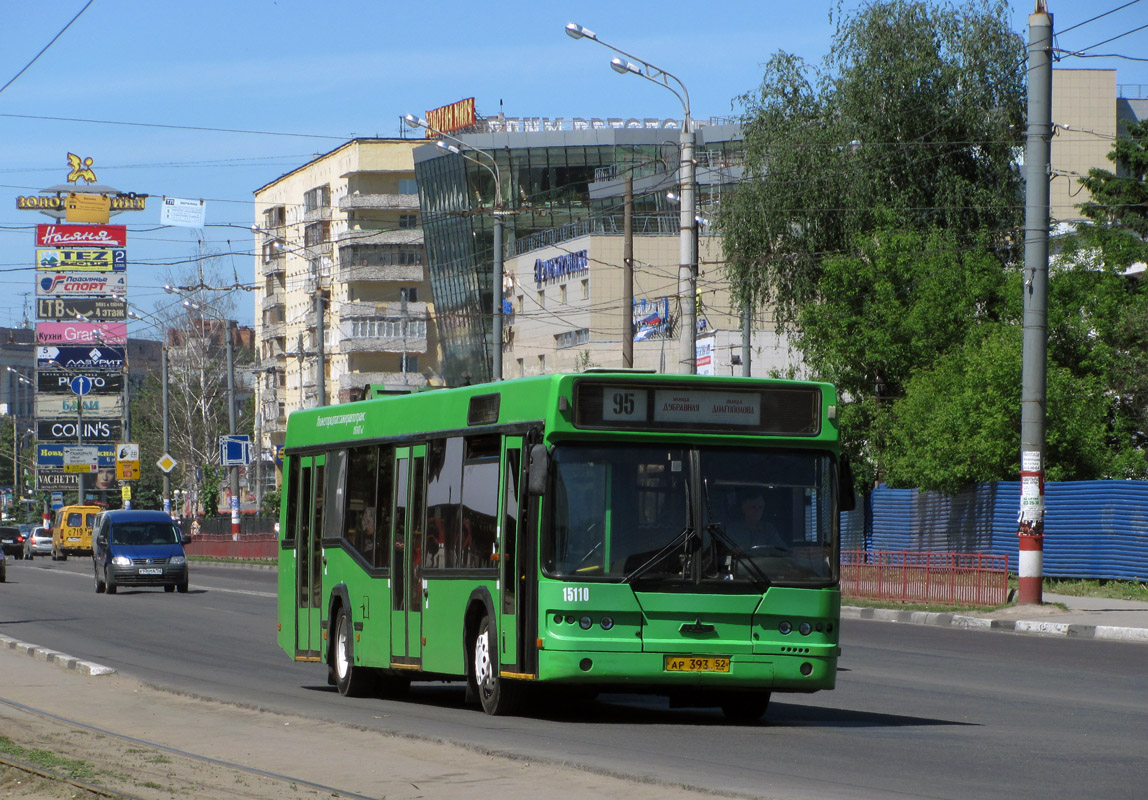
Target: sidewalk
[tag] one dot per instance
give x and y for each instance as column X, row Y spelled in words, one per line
column 1081, row 617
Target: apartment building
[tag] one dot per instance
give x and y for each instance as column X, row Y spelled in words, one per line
column 343, row 299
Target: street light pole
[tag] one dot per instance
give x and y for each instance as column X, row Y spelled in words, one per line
column 499, row 213
column 687, row 229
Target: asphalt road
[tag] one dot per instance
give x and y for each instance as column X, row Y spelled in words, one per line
column 919, row 712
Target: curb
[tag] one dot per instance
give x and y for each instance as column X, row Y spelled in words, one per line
column 55, row 657
column 950, row 620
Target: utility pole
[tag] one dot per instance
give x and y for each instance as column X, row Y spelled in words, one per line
column 320, row 362
column 231, row 429
column 628, row 276
column 746, row 339
column 1035, row 349
column 688, row 252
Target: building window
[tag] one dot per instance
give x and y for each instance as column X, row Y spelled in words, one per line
column 319, row 197
column 408, row 186
column 409, row 293
column 562, row 294
column 408, row 363
column 520, row 299
column 275, row 217
column 572, row 338
column 408, row 220
column 542, row 298
column 586, row 289
column 521, row 368
column 542, row 364
column 317, row 233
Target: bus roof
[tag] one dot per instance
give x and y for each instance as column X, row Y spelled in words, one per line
column 557, row 401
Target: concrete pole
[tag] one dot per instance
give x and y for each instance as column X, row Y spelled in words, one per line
column 166, row 429
column 688, row 269
column 628, row 276
column 231, row 429
column 320, row 356
column 1034, row 359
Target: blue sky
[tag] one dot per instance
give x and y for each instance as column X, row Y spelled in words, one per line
column 328, row 71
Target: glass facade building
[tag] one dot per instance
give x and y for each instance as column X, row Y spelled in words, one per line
column 556, row 185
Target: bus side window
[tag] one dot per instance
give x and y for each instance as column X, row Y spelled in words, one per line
column 444, row 503
column 361, row 515
column 383, row 494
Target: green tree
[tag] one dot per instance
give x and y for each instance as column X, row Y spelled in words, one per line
column 958, row 422
column 914, row 118
column 1118, row 207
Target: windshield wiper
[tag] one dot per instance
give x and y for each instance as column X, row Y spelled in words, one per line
column 683, row 539
column 716, row 531
column 734, row 549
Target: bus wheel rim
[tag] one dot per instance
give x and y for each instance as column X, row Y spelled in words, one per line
column 341, row 649
column 482, row 668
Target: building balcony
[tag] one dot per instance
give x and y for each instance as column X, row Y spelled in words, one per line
column 397, row 236
column 381, row 344
column 392, row 380
column 392, row 310
column 380, row 202
column 274, row 265
column 405, row 273
column 320, row 214
column 276, row 330
column 271, row 299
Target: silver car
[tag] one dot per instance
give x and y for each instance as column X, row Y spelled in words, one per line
column 38, row 543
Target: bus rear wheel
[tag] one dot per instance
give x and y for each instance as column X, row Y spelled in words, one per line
column 499, row 697
column 745, row 708
column 350, row 680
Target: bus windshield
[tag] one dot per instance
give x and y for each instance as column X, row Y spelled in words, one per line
column 726, row 518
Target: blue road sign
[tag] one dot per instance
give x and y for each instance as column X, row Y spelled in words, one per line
column 234, row 451
column 81, row 384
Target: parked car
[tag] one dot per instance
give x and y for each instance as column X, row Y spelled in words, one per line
column 138, row 548
column 38, row 542
column 11, row 541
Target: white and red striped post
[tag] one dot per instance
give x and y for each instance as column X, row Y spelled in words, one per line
column 1030, row 561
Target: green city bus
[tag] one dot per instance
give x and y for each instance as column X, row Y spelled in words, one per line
column 587, row 532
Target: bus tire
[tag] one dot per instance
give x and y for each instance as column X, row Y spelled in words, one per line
column 498, row 696
column 350, row 680
column 745, row 707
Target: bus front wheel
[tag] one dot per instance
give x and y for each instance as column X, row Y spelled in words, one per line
column 498, row 696
column 351, row 681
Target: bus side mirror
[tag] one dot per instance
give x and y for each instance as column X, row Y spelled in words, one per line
column 539, row 467
column 847, row 497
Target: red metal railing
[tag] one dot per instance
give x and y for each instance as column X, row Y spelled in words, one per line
column 904, row 576
column 253, row 546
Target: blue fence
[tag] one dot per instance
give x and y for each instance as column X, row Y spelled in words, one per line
column 1092, row 529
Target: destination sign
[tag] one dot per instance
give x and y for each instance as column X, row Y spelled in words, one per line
column 81, row 235
column 95, row 308
column 51, row 454
column 81, row 333
column 770, row 411
column 71, row 284
column 83, row 260
column 65, row 430
column 89, row 357
column 60, row 382
column 108, row 406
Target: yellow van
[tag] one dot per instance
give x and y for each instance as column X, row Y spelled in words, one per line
column 72, row 531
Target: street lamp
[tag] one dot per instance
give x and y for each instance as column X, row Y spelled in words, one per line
column 17, row 483
column 496, row 268
column 687, row 271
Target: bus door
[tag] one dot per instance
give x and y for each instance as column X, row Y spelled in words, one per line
column 511, row 510
column 408, row 524
column 309, row 560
